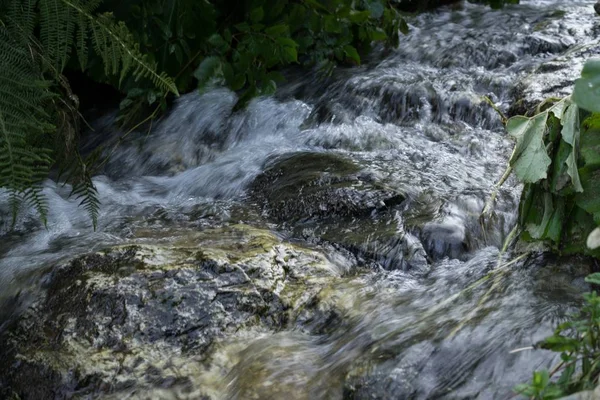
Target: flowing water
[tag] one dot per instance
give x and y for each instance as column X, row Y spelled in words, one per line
column 414, row 123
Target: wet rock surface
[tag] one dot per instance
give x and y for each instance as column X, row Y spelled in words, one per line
column 140, row 319
column 376, row 282
column 325, row 198
column 309, row 186
column 554, row 78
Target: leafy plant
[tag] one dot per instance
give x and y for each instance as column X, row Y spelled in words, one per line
column 38, row 112
column 246, row 53
column 556, row 158
column 578, row 342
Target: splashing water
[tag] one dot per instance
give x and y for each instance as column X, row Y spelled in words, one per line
column 414, row 123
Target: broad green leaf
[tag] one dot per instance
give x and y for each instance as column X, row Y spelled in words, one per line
column 257, row 14
column 589, row 199
column 403, row 27
column 593, row 278
column 305, row 42
column 559, row 343
column 377, row 35
column 289, row 49
column 537, row 231
column 332, row 24
column 277, row 30
column 555, row 225
column 541, row 379
column 359, row 17
column 530, row 160
column 589, row 147
column 527, row 197
column 560, row 178
column 151, row 97
column 218, row 43
column 243, row 27
column 276, row 8
column 287, row 42
column 238, row 81
column 227, row 36
column 587, row 88
column 376, row 8
column 570, row 134
column 317, row 5
column 352, row 53
column 276, row 76
column 559, row 108
column 269, row 87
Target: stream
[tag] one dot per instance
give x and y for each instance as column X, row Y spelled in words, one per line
column 324, row 243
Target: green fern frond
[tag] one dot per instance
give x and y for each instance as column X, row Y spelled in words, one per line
column 86, row 191
column 115, row 45
column 83, row 28
column 24, row 15
column 57, row 28
column 23, row 120
column 22, row 169
column 28, row 103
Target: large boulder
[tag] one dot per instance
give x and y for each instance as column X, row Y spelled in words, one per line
column 142, row 319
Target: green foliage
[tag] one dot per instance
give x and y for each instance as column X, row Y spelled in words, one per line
column 23, row 123
column 578, row 342
column 587, row 88
column 556, row 157
column 545, row 159
column 38, row 112
column 246, row 53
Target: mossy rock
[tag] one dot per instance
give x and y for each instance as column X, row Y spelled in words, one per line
column 144, row 318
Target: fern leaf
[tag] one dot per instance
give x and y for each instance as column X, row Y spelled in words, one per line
column 83, row 28
column 22, row 171
column 23, row 120
column 57, row 27
column 87, row 192
column 114, row 43
column 23, row 15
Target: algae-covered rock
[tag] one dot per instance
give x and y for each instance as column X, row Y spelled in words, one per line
column 381, row 239
column 139, row 321
column 326, row 198
column 305, row 186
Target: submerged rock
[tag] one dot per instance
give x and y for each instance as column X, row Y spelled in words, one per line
column 325, row 198
column 314, row 186
column 143, row 318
